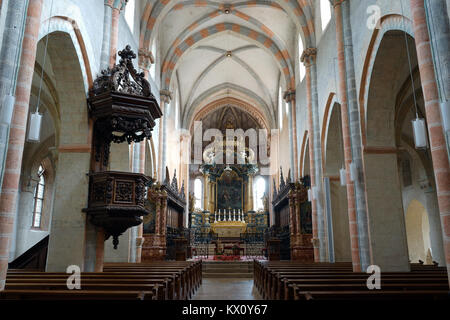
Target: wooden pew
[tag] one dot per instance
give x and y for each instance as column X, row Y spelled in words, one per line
column 74, row 295
column 159, row 280
column 293, row 280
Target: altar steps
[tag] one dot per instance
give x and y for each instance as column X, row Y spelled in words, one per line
column 227, row 269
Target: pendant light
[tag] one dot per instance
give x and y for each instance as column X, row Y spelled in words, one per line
column 34, row 128
column 343, row 176
column 418, row 124
column 353, row 172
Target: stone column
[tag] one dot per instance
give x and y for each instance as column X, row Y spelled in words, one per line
column 106, row 43
column 10, row 46
column 117, row 7
column 289, row 97
column 435, row 225
column 346, row 134
column 315, row 151
column 439, row 26
column 165, row 98
column 356, row 141
column 10, row 187
column 110, row 32
column 434, row 121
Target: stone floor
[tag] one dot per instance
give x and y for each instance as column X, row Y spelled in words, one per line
column 227, row 289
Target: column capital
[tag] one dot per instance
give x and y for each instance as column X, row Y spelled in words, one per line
column 289, row 95
column 184, row 135
column 165, row 96
column 146, row 59
column 309, row 56
column 335, row 3
column 116, row 4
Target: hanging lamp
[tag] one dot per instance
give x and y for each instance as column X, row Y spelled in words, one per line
column 34, row 128
column 418, row 124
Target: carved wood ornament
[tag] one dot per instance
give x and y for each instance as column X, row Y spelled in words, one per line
column 123, row 109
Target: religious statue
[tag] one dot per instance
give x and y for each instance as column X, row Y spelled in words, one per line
column 265, row 200
column 191, row 201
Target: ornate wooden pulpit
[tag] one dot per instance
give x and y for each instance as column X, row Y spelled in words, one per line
column 122, row 109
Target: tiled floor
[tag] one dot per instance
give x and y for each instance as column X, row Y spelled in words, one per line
column 227, row 289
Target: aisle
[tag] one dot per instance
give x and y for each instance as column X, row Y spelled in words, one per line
column 226, row 289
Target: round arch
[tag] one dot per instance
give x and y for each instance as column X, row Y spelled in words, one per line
column 387, row 23
column 240, row 104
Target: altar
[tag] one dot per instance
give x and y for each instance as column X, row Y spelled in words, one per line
column 229, row 229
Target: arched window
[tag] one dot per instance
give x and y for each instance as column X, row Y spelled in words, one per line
column 300, row 50
column 198, row 193
column 129, row 14
column 280, row 108
column 259, row 192
column 325, row 12
column 39, row 198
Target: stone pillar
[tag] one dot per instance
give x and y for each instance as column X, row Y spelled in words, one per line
column 117, row 7
column 165, row 98
column 289, row 97
column 315, row 151
column 356, row 141
column 110, row 32
column 437, row 247
column 10, row 187
column 104, row 57
column 342, row 88
column 433, row 116
column 10, row 46
column 439, row 26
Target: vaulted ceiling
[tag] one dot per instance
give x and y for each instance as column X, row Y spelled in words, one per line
column 211, row 50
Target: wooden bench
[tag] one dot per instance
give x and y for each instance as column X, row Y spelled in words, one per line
column 293, row 280
column 160, row 280
column 75, row 295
